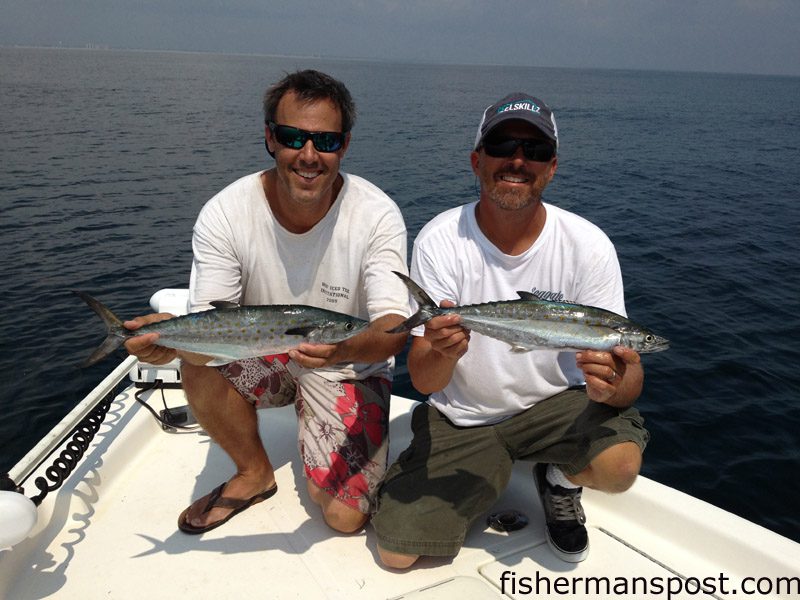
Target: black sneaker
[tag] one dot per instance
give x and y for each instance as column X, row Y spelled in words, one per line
column 564, row 518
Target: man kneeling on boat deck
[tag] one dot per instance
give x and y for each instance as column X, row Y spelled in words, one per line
column 570, row 413
column 299, row 233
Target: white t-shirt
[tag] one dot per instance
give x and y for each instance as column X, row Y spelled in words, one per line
column 344, row 263
column 572, row 261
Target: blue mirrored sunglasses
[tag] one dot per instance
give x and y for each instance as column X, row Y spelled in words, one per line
column 292, row 137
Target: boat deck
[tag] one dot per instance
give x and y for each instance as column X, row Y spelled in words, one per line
column 110, row 531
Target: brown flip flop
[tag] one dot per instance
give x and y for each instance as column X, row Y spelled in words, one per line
column 217, row 501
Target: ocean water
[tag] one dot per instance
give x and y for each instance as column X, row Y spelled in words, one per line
column 107, row 156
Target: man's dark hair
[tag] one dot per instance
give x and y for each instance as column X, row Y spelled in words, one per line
column 310, row 86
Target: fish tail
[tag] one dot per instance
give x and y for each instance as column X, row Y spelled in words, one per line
column 427, row 307
column 115, row 335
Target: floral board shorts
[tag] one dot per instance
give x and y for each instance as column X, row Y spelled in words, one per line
column 342, row 430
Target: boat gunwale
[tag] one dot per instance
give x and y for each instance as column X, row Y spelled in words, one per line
column 55, row 438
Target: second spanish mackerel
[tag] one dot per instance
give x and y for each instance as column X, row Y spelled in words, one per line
column 530, row 322
column 230, row 332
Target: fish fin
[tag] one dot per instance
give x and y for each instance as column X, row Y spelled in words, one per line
column 115, row 335
column 224, row 304
column 420, row 295
column 109, row 345
column 530, row 296
column 520, row 349
column 304, row 331
column 219, row 361
column 427, row 311
column 418, row 318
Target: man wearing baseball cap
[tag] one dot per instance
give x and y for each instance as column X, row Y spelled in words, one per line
column 570, row 413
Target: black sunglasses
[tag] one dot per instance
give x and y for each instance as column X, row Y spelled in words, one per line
column 536, row 150
column 292, row 137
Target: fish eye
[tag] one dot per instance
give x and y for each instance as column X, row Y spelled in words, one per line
column 650, row 338
column 349, row 326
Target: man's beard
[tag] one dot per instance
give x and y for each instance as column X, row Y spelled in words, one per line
column 511, row 200
column 519, row 198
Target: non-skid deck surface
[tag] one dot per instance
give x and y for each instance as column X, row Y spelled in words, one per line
column 113, row 534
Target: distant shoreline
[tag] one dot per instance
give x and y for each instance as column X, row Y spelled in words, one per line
column 107, row 48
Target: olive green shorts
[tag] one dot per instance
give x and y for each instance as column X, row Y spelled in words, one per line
column 449, row 476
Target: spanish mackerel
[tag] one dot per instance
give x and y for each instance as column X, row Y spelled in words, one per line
column 530, row 322
column 230, row 332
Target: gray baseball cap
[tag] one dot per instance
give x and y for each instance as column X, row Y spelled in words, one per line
column 522, row 107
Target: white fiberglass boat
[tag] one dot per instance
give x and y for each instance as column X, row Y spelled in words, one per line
column 108, row 530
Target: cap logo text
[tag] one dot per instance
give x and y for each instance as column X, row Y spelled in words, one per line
column 522, row 105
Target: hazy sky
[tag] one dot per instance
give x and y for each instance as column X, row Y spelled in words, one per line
column 746, row 36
